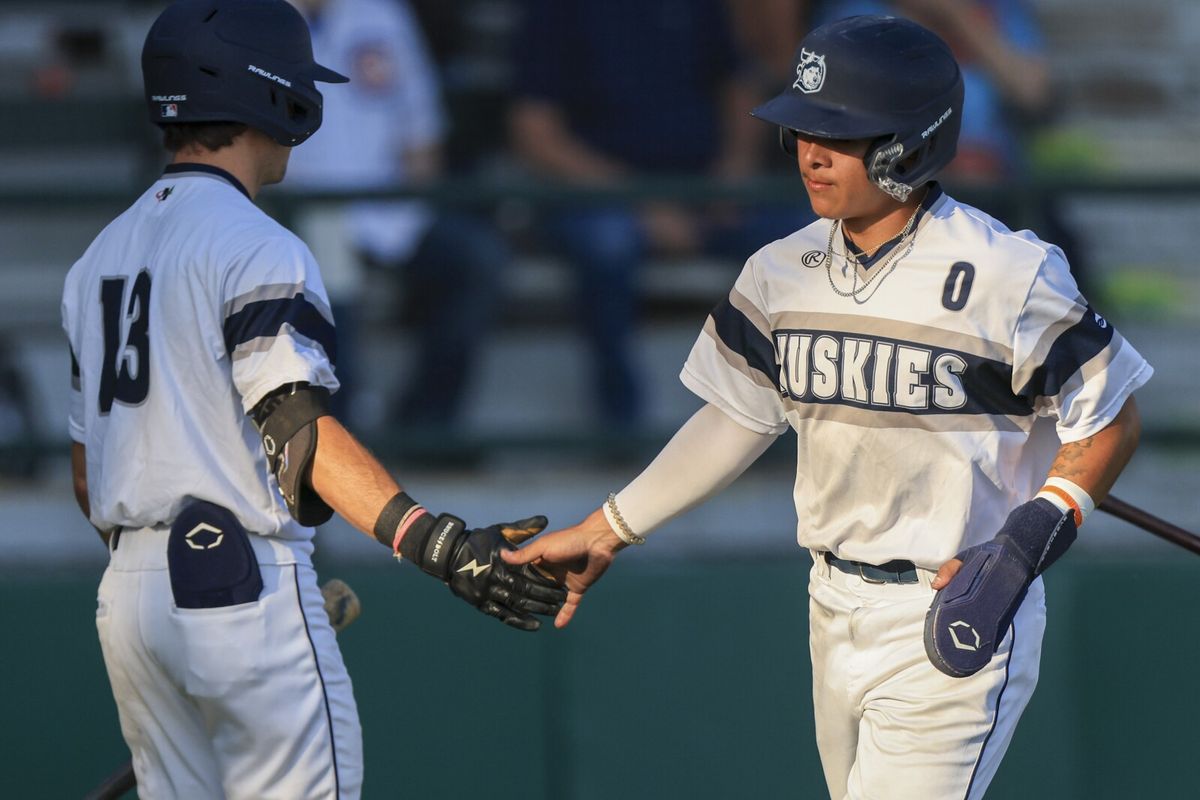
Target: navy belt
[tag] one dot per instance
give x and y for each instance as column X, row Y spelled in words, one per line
column 896, row 571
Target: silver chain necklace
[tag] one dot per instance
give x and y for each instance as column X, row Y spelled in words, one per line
column 882, row 271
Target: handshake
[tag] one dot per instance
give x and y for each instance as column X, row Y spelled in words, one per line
column 469, row 562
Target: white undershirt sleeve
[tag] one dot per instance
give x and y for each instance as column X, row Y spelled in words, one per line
column 703, row 457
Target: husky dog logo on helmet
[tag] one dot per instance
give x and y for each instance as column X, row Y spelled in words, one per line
column 810, row 72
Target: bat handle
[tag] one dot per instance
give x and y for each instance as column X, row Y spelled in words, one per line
column 115, row 785
column 1150, row 523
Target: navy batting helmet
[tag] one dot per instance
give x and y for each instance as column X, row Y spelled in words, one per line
column 880, row 78
column 247, row 61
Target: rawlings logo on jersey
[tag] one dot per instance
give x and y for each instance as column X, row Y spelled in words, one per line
column 810, row 72
column 813, row 258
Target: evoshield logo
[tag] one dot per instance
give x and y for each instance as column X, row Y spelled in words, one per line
column 204, row 537
column 964, row 643
column 269, row 75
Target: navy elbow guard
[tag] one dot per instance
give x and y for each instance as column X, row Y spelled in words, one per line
column 970, row 616
column 287, row 420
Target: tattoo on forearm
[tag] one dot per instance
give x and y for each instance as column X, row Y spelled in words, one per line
column 1072, row 461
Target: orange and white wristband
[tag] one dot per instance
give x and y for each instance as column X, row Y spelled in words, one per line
column 1068, row 496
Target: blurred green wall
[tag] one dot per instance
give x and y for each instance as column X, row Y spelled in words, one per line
column 676, row 680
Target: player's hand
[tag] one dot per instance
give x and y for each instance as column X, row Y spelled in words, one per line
column 946, row 573
column 576, row 556
column 468, row 561
column 512, row 594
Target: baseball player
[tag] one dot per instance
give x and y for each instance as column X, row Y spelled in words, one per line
column 202, row 353
column 959, row 409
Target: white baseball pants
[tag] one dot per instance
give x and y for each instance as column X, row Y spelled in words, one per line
column 889, row 725
column 247, row 701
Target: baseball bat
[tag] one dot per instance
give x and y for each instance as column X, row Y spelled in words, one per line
column 1151, row 524
column 342, row 606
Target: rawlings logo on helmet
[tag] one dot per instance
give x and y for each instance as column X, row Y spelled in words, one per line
column 937, row 123
column 268, row 75
column 810, row 72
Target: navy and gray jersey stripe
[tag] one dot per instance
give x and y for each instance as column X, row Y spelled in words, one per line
column 269, row 310
column 984, row 372
column 1069, row 351
column 735, row 330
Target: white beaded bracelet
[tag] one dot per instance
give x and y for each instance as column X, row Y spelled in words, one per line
column 622, row 530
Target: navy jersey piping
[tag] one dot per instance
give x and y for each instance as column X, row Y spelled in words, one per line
column 931, row 197
column 187, row 166
column 996, row 719
column 337, row 789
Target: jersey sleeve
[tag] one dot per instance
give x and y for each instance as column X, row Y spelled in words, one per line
column 277, row 326
column 1068, row 360
column 733, row 364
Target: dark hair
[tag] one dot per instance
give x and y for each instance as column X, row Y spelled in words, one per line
column 209, row 135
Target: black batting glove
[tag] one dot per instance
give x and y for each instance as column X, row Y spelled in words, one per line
column 469, row 562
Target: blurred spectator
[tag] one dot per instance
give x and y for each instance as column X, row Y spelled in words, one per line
column 769, row 30
column 608, row 90
column 386, row 130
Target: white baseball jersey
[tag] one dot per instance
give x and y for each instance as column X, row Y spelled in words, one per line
column 923, row 404
column 182, row 314
column 391, row 105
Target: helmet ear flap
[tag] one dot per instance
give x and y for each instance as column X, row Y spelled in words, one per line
column 787, row 141
column 881, row 160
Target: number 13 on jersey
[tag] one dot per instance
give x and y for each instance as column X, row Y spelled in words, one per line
column 125, row 376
